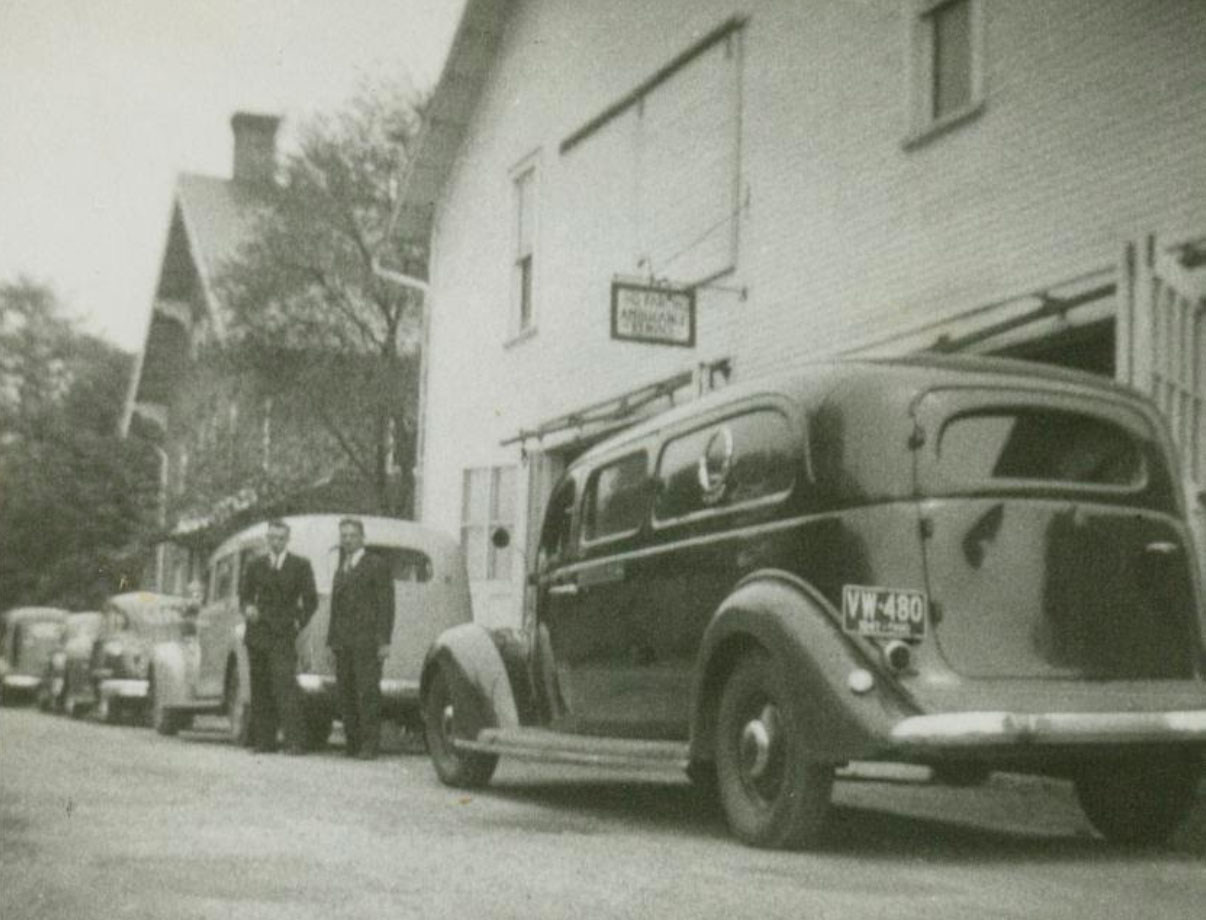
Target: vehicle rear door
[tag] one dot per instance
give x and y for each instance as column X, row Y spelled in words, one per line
column 1053, row 547
column 213, row 625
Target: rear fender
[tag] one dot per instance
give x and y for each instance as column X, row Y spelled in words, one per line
column 787, row 619
column 171, row 672
column 478, row 677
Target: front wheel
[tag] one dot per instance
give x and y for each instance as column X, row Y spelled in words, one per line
column 236, row 707
column 463, row 769
column 317, row 725
column 773, row 795
column 1139, row 800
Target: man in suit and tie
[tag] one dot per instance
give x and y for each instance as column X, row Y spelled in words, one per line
column 278, row 596
column 362, row 621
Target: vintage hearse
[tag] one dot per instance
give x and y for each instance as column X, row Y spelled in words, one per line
column 970, row 564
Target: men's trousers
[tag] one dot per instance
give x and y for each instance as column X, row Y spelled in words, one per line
column 275, row 701
column 358, row 678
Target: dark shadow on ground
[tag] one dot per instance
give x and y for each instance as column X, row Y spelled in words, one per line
column 678, row 809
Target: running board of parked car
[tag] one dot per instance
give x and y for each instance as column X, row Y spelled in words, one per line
column 550, row 746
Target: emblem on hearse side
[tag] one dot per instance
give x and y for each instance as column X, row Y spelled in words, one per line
column 715, row 465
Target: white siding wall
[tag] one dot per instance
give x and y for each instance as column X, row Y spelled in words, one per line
column 1094, row 132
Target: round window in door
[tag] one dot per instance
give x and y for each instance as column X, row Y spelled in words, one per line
column 715, row 465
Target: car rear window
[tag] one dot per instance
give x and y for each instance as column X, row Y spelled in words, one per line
column 1040, row 444
column 405, row 564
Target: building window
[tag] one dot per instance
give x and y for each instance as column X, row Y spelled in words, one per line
column 947, row 64
column 488, row 504
column 524, row 189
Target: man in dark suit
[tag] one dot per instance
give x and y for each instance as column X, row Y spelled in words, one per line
column 278, row 597
column 362, row 621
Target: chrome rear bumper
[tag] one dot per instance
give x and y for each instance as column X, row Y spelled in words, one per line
column 124, row 688
column 324, row 685
column 22, row 681
column 991, row 729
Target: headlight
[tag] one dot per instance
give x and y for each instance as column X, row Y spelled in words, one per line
column 113, row 648
column 58, row 660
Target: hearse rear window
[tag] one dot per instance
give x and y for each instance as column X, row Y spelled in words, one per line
column 1039, row 444
column 617, row 497
column 731, row 463
column 404, row 564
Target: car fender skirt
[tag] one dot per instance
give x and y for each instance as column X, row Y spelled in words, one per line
column 481, row 691
column 788, row 621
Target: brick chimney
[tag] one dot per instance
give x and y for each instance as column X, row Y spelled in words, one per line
column 254, row 147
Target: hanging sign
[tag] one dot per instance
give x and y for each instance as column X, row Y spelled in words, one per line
column 652, row 313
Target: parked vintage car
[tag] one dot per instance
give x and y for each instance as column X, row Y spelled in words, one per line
column 971, row 564
column 207, row 672
column 132, row 625
column 28, row 636
column 68, row 665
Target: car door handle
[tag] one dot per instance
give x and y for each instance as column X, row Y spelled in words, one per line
column 566, row 590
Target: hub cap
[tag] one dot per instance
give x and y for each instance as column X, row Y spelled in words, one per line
column 446, row 721
column 760, row 752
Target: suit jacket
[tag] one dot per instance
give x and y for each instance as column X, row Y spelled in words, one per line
column 286, row 599
column 362, row 605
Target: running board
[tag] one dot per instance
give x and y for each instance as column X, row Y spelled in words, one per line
column 584, row 750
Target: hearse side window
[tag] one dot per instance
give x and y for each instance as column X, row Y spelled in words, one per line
column 405, row 564
column 616, row 498
column 734, row 462
column 1040, row 444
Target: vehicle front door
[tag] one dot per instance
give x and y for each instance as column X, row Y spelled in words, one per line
column 589, row 604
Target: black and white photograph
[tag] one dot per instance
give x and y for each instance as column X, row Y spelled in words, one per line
column 602, row 458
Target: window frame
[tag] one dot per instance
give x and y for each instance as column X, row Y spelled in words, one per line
column 523, row 247
column 921, row 29
column 590, row 485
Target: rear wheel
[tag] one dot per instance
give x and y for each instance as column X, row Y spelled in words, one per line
column 1139, row 800
column 464, row 769
column 773, row 795
column 165, row 720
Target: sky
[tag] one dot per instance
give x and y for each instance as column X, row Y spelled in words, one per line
column 103, row 102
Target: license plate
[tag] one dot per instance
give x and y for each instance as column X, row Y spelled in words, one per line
column 884, row 613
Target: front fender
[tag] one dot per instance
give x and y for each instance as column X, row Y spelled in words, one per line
column 171, row 669
column 787, row 619
column 478, row 677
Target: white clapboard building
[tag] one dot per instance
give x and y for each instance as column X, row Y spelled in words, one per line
column 624, row 202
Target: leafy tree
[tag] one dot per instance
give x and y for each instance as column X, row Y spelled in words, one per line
column 306, row 308
column 76, row 501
